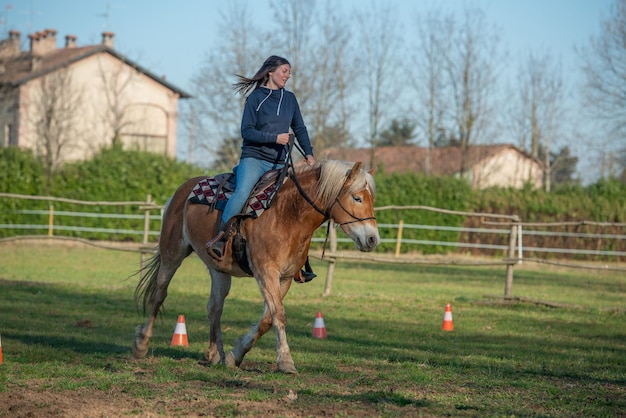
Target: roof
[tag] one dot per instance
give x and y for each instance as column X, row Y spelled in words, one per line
column 18, row 69
column 444, row 161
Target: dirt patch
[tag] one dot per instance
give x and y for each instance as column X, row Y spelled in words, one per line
column 35, row 402
column 28, row 402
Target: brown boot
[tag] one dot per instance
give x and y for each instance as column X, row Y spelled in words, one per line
column 215, row 247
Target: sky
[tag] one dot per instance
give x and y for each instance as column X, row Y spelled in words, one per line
column 171, row 38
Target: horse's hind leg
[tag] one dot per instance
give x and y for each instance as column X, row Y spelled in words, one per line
column 273, row 314
column 220, row 286
column 157, row 284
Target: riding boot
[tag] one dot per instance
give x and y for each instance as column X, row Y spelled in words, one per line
column 216, row 246
column 305, row 275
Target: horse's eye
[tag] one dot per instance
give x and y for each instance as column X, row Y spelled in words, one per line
column 357, row 199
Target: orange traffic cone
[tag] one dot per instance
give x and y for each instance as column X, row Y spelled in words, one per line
column 447, row 319
column 180, row 333
column 319, row 330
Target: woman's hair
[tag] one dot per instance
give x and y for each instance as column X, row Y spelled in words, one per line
column 245, row 85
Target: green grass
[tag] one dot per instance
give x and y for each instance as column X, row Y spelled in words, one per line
column 67, row 320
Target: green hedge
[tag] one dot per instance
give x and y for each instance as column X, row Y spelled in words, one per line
column 604, row 201
column 118, row 175
column 112, row 175
column 420, row 190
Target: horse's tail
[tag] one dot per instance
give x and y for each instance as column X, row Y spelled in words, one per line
column 148, row 281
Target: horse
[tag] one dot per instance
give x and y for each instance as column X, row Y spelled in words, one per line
column 276, row 247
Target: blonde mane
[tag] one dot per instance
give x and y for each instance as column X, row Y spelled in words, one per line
column 333, row 175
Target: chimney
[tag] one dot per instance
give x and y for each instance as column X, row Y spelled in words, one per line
column 107, row 39
column 43, row 42
column 70, row 41
column 35, row 63
column 10, row 47
column 35, row 43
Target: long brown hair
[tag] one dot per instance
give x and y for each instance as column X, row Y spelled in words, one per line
column 245, row 85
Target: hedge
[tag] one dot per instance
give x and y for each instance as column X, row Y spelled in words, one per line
column 119, row 175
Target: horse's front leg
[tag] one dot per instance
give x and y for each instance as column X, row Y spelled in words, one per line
column 273, row 314
column 279, row 320
column 220, row 286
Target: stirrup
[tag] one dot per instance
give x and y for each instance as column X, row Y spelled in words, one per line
column 308, row 276
column 216, row 246
column 304, row 276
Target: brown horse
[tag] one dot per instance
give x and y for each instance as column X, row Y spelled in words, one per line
column 277, row 246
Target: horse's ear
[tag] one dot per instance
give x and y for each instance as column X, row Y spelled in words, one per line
column 371, row 171
column 354, row 170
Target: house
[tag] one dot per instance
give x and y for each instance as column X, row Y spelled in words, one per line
column 67, row 103
column 485, row 165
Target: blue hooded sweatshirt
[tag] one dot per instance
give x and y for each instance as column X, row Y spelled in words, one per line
column 266, row 114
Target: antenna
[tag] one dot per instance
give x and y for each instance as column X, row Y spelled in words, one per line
column 106, row 15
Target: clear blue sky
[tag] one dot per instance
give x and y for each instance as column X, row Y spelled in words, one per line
column 170, row 38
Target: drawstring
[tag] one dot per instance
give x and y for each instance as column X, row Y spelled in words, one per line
column 282, row 92
column 279, row 102
column 263, row 101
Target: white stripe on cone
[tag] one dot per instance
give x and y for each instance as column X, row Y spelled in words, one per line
column 180, row 333
column 319, row 330
column 447, row 324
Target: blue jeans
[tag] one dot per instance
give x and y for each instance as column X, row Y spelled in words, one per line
column 247, row 173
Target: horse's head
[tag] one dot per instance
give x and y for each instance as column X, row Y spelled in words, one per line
column 353, row 204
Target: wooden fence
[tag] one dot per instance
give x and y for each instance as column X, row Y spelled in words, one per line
column 508, row 225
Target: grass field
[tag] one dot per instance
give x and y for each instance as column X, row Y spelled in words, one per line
column 67, row 320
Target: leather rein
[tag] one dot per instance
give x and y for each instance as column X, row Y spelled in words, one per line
column 325, row 213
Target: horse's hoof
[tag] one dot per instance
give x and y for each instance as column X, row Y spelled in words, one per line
column 140, row 353
column 230, row 360
column 141, row 343
column 287, row 368
column 212, row 355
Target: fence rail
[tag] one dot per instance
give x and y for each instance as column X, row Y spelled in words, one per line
column 510, row 227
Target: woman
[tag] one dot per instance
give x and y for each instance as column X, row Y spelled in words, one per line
column 269, row 112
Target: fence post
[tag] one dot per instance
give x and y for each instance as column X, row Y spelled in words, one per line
column 508, row 283
column 50, row 220
column 146, row 229
column 399, row 239
column 520, row 251
column 332, row 237
column 146, row 220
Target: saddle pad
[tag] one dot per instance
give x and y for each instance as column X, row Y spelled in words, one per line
column 207, row 192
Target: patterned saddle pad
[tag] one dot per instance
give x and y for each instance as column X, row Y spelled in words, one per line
column 215, row 192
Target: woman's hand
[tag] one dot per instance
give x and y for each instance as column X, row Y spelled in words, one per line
column 282, row 139
column 310, row 160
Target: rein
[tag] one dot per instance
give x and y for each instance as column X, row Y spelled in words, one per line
column 325, row 213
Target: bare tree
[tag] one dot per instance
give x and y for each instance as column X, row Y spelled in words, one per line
column 328, row 107
column 604, row 65
column 55, row 106
column 295, row 41
column 472, row 67
column 429, row 77
column 379, row 66
column 317, row 44
column 540, row 108
column 217, row 110
column 116, row 81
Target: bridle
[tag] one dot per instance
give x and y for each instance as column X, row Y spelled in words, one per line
column 326, row 213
